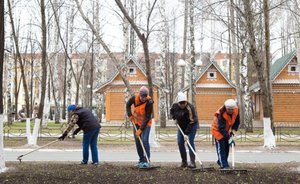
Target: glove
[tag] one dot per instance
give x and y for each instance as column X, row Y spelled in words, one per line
column 186, row 138
column 231, row 141
column 62, row 137
column 232, row 133
column 76, row 131
column 138, row 132
column 131, row 118
column 188, row 129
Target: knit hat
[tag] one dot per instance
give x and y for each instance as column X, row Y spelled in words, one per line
column 144, row 91
column 181, row 97
column 71, row 107
column 230, row 104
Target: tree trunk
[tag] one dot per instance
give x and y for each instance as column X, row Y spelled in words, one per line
column 2, row 38
column 236, row 63
column 249, row 19
column 268, row 59
column 111, row 55
column 185, row 31
column 43, row 62
column 143, row 39
column 193, row 62
column 2, row 161
column 20, row 60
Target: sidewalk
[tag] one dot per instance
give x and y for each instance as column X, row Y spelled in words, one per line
column 243, row 154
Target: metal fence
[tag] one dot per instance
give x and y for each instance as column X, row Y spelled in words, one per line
column 169, row 134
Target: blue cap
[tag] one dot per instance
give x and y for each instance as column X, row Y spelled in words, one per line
column 71, row 107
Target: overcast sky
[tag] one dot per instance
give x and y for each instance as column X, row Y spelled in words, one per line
column 28, row 10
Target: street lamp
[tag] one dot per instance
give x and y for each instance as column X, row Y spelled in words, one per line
column 181, row 63
column 88, row 96
column 193, row 72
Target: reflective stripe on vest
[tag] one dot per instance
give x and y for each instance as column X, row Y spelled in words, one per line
column 139, row 113
column 229, row 122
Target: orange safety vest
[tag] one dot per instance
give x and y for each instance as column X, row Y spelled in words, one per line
column 139, row 113
column 229, row 122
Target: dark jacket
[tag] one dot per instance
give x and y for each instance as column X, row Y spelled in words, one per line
column 186, row 118
column 87, row 120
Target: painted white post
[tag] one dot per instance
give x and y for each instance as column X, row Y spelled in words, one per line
column 2, row 161
column 32, row 137
column 28, row 132
column 269, row 138
column 152, row 139
column 35, row 132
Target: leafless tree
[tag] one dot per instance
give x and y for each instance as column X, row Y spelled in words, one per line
column 143, row 38
column 2, row 38
column 19, row 58
column 106, row 48
column 44, row 59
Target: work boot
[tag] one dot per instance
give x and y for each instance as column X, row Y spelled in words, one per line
column 183, row 160
column 183, row 164
column 192, row 163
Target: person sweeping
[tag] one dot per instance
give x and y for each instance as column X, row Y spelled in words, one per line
column 141, row 118
column 225, row 122
column 185, row 115
column 87, row 122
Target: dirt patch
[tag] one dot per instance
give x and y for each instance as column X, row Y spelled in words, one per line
column 46, row 172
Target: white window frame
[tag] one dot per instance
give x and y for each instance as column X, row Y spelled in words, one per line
column 290, row 69
column 212, row 72
column 134, row 70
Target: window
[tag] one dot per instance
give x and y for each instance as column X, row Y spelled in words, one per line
column 293, row 68
column 224, row 63
column 132, row 70
column 211, row 75
column 157, row 63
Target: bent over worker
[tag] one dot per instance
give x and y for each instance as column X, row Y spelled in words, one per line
column 141, row 117
column 185, row 115
column 87, row 122
column 225, row 121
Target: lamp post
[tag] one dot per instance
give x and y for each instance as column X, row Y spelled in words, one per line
column 181, row 63
column 193, row 72
column 88, row 97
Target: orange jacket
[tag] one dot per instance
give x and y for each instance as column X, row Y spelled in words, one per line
column 139, row 113
column 230, row 120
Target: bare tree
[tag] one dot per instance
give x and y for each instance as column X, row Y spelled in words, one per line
column 43, row 62
column 143, row 38
column 2, row 38
column 106, row 48
column 260, row 67
column 19, row 58
column 193, row 54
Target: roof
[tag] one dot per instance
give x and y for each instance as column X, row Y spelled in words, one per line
column 204, row 69
column 97, row 88
column 276, row 69
column 219, row 70
column 280, row 64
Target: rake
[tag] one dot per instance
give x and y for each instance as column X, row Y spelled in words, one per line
column 233, row 169
column 21, row 156
column 145, row 153
column 202, row 168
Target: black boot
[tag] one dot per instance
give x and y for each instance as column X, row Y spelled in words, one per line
column 183, row 160
column 192, row 163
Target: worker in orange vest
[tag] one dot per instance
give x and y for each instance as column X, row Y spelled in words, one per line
column 141, row 117
column 225, row 121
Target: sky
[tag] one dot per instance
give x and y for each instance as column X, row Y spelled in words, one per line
column 27, row 11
